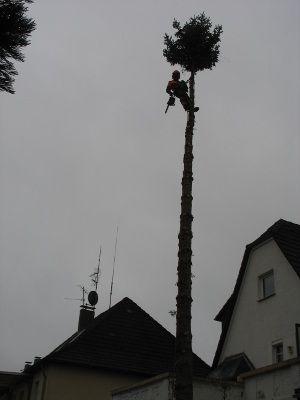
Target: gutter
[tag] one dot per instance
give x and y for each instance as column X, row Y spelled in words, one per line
column 269, row 368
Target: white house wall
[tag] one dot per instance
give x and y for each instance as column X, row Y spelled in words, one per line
column 275, row 385
column 213, row 390
column 162, row 389
column 255, row 324
column 156, row 390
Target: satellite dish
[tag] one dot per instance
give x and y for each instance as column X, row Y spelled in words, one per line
column 93, row 298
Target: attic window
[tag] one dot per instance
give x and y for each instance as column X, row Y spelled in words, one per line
column 266, row 287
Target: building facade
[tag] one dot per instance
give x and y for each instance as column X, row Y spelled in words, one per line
column 124, row 354
column 261, row 320
column 122, row 346
column 257, row 356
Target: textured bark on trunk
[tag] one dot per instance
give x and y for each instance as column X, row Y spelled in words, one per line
column 183, row 351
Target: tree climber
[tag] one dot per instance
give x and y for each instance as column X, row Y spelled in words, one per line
column 179, row 89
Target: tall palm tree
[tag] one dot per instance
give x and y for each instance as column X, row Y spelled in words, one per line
column 195, row 48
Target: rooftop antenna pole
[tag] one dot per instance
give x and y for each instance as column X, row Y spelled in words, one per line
column 98, row 271
column 113, row 273
column 95, row 275
column 84, row 292
column 82, row 299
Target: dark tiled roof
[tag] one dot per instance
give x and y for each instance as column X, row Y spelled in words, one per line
column 9, row 379
column 232, row 367
column 287, row 236
column 124, row 338
column 225, row 310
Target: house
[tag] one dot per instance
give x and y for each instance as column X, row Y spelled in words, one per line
column 258, row 354
column 12, row 379
column 121, row 346
column 259, row 343
column 125, row 353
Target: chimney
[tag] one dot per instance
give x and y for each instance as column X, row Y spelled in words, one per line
column 86, row 317
column 27, row 365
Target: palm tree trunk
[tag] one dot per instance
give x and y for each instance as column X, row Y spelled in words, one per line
column 183, row 351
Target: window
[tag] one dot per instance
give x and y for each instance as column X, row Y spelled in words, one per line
column 266, row 285
column 277, row 352
column 298, row 339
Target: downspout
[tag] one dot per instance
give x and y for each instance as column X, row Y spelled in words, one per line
column 29, row 389
column 44, row 382
column 10, row 394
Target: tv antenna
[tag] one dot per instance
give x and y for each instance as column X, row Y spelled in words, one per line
column 114, row 264
column 95, row 276
column 84, row 292
column 92, row 296
column 82, row 299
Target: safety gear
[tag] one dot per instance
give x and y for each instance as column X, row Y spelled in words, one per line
column 179, row 88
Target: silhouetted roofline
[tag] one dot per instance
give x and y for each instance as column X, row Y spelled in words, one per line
column 122, row 339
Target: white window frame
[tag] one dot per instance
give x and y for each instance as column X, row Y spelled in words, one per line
column 261, row 285
column 276, row 355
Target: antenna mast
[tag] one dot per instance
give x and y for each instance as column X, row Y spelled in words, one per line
column 95, row 275
column 113, row 273
column 84, row 292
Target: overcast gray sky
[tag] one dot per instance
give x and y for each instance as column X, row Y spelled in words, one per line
column 86, row 147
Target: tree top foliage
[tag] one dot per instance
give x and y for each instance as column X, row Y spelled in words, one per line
column 15, row 30
column 196, row 44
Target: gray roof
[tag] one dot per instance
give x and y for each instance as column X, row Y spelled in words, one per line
column 232, row 367
column 9, row 379
column 126, row 339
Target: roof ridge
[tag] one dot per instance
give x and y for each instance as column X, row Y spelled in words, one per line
column 97, row 320
column 132, row 303
column 282, row 222
column 273, row 229
column 73, row 338
column 125, row 338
